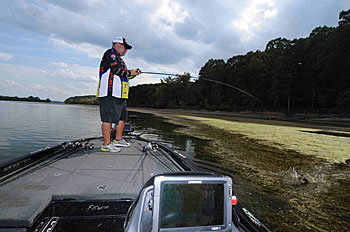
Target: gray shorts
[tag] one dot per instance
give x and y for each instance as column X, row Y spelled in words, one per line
column 113, row 109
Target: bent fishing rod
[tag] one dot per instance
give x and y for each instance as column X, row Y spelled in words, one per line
column 202, row 78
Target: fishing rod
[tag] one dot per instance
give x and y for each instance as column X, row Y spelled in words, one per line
column 202, row 78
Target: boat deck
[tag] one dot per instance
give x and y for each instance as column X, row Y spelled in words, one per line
column 84, row 174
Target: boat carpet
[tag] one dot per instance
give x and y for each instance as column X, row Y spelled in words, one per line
column 85, row 174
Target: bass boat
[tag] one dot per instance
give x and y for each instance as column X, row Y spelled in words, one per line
column 146, row 187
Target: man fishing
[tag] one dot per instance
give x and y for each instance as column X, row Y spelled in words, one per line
column 113, row 91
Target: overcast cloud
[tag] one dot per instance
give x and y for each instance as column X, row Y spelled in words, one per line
column 52, row 48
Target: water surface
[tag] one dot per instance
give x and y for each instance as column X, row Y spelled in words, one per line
column 29, row 126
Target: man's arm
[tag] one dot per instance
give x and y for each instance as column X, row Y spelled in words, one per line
column 117, row 68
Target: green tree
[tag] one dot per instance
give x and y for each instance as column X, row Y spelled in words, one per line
column 344, row 17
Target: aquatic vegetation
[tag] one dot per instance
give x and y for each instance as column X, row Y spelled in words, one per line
column 286, row 189
column 303, row 140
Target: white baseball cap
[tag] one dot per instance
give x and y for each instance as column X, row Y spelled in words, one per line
column 122, row 40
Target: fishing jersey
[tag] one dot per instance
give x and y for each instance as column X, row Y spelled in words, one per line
column 113, row 76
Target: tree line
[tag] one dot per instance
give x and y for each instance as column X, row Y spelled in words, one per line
column 88, row 99
column 307, row 74
column 30, row 98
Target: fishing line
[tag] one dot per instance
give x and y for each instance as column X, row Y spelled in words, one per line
column 206, row 79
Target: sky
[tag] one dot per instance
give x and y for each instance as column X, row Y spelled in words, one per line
column 52, row 48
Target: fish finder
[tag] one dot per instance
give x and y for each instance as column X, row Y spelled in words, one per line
column 186, row 201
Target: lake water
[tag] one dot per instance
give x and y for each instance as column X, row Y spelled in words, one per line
column 29, row 126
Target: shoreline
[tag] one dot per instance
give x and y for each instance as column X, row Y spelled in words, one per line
column 310, row 120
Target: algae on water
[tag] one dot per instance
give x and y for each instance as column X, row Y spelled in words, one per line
column 332, row 148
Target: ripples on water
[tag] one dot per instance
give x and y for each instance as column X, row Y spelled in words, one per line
column 29, row 126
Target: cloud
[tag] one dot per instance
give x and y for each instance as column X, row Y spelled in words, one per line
column 72, row 72
column 253, row 18
column 50, row 18
column 144, row 79
column 168, row 13
column 60, row 64
column 189, row 29
column 62, row 42
column 147, row 28
column 14, row 88
column 9, row 84
column 162, row 32
column 78, row 6
column 38, row 87
column 92, row 51
column 58, row 81
column 5, row 56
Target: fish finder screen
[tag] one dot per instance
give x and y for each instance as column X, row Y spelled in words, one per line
column 191, row 205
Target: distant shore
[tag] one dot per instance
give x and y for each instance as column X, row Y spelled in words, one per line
column 29, row 99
